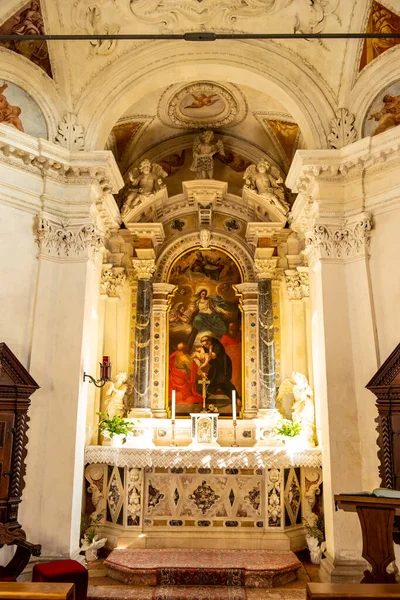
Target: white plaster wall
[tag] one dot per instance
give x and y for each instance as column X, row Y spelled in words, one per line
column 18, row 272
column 385, row 280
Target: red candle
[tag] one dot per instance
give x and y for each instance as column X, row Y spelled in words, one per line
column 105, row 368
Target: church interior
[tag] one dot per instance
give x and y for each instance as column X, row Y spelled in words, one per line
column 199, row 300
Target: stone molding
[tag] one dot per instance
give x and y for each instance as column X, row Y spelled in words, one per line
column 63, row 241
column 343, row 129
column 143, row 269
column 112, row 280
column 350, row 240
column 70, row 134
column 297, row 283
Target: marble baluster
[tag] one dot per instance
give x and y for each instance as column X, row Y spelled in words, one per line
column 141, row 368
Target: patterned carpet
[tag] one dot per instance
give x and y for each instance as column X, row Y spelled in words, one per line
column 199, row 567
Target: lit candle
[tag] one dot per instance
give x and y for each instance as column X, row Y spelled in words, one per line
column 234, row 405
column 173, row 400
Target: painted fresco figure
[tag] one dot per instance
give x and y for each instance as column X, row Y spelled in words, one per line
column 9, row 114
column 207, row 311
column 183, row 376
column 232, row 342
column 220, row 368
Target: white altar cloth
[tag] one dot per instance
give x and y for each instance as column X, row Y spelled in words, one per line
column 223, row 457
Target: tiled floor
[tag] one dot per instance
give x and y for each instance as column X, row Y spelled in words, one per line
column 102, row 587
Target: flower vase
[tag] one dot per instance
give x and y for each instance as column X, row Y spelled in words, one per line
column 118, row 440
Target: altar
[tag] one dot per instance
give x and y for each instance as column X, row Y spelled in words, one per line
column 217, row 361
column 217, row 497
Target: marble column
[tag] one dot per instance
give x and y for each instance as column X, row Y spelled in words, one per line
column 161, row 294
column 268, row 415
column 141, row 374
column 249, row 304
column 265, row 269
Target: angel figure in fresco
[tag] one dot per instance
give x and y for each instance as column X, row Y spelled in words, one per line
column 203, row 100
column 143, row 181
column 203, row 153
column 9, row 114
column 389, row 116
column 267, row 182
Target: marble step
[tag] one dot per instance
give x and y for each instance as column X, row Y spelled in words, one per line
column 201, row 567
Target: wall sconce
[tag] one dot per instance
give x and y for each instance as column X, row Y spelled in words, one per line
column 105, row 373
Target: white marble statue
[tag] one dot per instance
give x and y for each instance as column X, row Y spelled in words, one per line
column 143, row 181
column 204, row 150
column 115, row 394
column 265, row 179
column 91, row 547
column 302, row 409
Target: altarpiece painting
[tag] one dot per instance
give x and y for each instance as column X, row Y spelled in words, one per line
column 205, row 332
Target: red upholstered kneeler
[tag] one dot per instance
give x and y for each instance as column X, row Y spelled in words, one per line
column 63, row 571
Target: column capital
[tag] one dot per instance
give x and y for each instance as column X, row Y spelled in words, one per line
column 266, row 268
column 112, row 280
column 67, row 242
column 297, row 283
column 143, row 268
column 347, row 240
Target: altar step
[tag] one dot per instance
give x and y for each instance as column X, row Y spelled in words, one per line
column 200, row 567
column 191, row 593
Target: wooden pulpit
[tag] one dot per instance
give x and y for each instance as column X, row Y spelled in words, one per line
column 376, row 518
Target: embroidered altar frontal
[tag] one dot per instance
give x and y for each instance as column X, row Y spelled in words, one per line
column 237, row 568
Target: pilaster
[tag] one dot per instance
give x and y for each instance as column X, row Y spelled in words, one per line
column 249, row 303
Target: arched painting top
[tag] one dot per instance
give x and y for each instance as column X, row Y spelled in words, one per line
column 19, row 110
column 218, row 240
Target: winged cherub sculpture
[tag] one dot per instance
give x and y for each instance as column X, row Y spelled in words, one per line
column 266, row 180
column 203, row 153
column 143, row 181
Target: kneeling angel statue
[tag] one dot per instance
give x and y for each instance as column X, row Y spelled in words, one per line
column 266, row 180
column 145, row 180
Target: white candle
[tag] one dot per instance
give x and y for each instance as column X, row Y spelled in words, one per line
column 173, row 400
column 234, row 405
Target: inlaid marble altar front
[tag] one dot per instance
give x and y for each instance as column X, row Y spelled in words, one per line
column 257, row 496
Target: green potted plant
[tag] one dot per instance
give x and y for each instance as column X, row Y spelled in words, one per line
column 116, row 428
column 288, row 431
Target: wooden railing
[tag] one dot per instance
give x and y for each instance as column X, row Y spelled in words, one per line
column 37, row 591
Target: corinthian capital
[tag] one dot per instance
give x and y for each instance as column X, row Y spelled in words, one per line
column 144, row 268
column 349, row 241
column 297, row 284
column 265, row 268
column 62, row 241
column 112, row 280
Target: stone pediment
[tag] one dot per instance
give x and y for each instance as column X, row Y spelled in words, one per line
column 387, row 376
column 14, row 378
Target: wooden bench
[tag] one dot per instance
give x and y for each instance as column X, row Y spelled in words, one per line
column 37, row 591
column 329, row 591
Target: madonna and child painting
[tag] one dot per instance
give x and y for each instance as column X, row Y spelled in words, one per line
column 205, row 341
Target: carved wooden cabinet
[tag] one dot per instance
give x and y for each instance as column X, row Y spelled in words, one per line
column 385, row 384
column 16, row 387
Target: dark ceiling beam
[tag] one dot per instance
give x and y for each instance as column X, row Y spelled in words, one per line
column 200, row 36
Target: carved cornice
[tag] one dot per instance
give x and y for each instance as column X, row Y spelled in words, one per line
column 143, row 269
column 297, row 283
column 112, row 280
column 340, row 242
column 65, row 241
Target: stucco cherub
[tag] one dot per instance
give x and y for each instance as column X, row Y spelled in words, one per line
column 144, row 180
column 115, row 394
column 203, row 152
column 265, row 179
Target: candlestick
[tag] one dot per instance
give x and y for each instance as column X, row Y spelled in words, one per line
column 234, row 434
column 173, row 402
column 234, row 405
column 173, row 443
